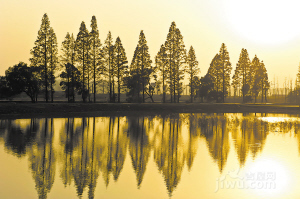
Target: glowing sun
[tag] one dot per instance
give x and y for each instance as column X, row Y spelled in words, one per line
column 264, row 21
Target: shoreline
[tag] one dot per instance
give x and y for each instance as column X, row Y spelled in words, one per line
column 61, row 109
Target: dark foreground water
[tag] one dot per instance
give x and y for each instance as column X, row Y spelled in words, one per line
column 162, row 156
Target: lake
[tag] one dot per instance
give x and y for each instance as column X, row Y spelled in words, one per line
column 230, row 155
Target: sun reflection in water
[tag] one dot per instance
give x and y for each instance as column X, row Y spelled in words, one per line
column 268, row 178
column 279, row 119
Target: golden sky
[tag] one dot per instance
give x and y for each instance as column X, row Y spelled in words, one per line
column 268, row 28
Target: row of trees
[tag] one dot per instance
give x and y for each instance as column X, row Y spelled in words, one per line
column 215, row 84
column 294, row 95
column 85, row 65
column 250, row 77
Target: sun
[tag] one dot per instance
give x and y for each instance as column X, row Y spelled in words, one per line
column 264, row 21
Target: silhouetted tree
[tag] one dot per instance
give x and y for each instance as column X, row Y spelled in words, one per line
column 134, row 85
column 53, row 51
column 141, row 65
column 261, row 82
column 206, row 86
column 121, row 61
column 68, row 57
column 265, row 83
column 297, row 86
column 236, row 83
column 255, row 64
column 82, row 48
column 20, row 78
column 251, row 76
column 44, row 54
column 225, row 66
column 192, row 70
column 73, row 85
column 96, row 53
column 5, row 90
column 68, row 50
column 242, row 75
column 108, row 52
column 215, row 73
column 161, row 64
column 176, row 53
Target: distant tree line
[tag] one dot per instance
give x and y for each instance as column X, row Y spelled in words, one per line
column 85, row 67
column 294, row 95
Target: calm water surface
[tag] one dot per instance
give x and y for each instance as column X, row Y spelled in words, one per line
column 160, row 156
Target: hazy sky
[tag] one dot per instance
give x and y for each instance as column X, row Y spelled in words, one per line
column 268, row 28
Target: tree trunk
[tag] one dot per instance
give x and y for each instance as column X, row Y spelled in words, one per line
column 265, row 95
column 94, row 74
column 191, row 84
column 223, row 94
column 143, row 75
column 109, row 74
column 119, row 92
column 262, row 92
column 83, row 75
column 118, row 61
column 113, row 91
column 243, row 87
column 174, row 90
column 45, row 65
column 88, row 73
column 51, row 80
column 164, row 92
column 72, row 86
column 68, row 87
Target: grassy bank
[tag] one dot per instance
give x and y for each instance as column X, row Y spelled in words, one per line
column 26, row 109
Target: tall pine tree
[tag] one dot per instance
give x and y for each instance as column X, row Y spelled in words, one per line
column 53, row 54
column 121, row 61
column 255, row 65
column 82, row 48
column 176, row 55
column 261, row 82
column 225, row 70
column 141, row 70
column 44, row 54
column 242, row 74
column 67, row 60
column 215, row 74
column 297, row 85
column 108, row 53
column 265, row 82
column 161, row 64
column 192, row 70
column 96, row 54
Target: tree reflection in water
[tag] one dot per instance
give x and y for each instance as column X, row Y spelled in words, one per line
column 89, row 147
column 42, row 158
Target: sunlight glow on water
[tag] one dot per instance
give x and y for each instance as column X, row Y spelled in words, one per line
column 279, row 119
column 274, row 178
